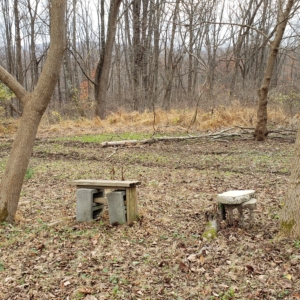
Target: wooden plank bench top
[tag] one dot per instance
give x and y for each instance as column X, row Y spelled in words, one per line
column 106, row 184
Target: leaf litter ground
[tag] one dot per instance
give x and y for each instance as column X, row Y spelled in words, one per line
column 47, row 255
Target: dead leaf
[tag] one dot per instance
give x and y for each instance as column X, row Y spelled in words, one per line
column 288, row 276
column 285, row 284
column 90, row 297
column 162, row 264
column 250, row 269
column 84, row 291
column 66, row 283
column 232, row 276
column 181, row 245
column 262, row 278
column 183, row 267
column 202, row 259
column 40, row 246
column 192, row 257
column 223, row 286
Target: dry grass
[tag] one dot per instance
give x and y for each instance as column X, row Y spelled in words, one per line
column 162, row 121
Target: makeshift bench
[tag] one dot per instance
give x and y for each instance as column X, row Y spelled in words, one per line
column 90, row 198
column 241, row 200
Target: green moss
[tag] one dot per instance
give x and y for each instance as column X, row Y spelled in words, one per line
column 286, row 227
column 29, row 174
column 210, row 233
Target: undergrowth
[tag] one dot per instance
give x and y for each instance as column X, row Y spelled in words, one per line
column 218, row 118
column 155, row 122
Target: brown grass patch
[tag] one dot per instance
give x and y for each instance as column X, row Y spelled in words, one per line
column 162, row 121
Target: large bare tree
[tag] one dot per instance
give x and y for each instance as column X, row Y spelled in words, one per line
column 290, row 215
column 34, row 105
column 103, row 66
column 261, row 131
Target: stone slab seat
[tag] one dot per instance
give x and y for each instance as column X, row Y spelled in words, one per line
column 235, row 197
column 241, row 200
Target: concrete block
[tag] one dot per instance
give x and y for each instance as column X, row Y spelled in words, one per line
column 116, row 207
column 86, row 209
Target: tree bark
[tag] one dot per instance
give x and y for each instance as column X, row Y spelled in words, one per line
column 103, row 67
column 146, row 42
column 290, row 215
column 18, row 56
column 7, row 18
column 34, row 61
column 137, row 55
column 156, row 52
column 171, row 64
column 18, row 67
column 34, row 106
column 261, row 131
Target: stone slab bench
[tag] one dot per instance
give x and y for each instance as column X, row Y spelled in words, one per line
column 241, row 200
column 98, row 187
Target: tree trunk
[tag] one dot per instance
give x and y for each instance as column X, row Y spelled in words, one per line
column 8, row 34
column 74, row 44
column 103, row 67
column 34, row 105
column 34, row 61
column 191, row 58
column 20, row 154
column 290, row 215
column 261, row 131
column 146, row 46
column 171, row 64
column 137, row 55
column 154, row 89
column 18, row 64
column 19, row 68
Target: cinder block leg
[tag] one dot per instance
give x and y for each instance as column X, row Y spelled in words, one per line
column 250, row 205
column 84, row 204
column 241, row 216
column 116, row 207
column 229, row 214
column 131, row 204
column 251, row 214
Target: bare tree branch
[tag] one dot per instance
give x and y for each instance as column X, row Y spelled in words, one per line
column 81, row 68
column 241, row 25
column 13, row 84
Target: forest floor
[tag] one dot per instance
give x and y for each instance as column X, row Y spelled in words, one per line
column 48, row 255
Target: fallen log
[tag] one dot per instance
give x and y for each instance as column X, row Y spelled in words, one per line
column 244, row 133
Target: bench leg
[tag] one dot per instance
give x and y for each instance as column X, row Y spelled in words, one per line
column 131, row 205
column 84, row 204
column 241, row 216
column 116, row 207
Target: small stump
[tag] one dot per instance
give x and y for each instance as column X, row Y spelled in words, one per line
column 240, row 200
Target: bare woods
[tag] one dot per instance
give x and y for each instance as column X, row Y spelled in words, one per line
column 144, row 54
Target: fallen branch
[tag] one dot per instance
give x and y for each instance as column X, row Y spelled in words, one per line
column 109, row 156
column 146, row 141
column 244, row 133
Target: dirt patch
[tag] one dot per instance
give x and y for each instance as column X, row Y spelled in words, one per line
column 47, row 255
